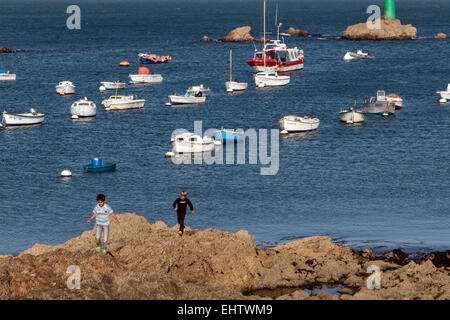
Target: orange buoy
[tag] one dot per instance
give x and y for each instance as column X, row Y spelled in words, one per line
column 124, row 63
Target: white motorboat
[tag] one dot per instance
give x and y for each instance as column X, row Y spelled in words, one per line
column 351, row 115
column 117, row 85
column 358, row 55
column 65, row 88
column 444, row 95
column 189, row 142
column 270, row 79
column 196, row 89
column 7, row 75
column 394, row 98
column 22, row 119
column 231, row 85
column 121, row 102
column 293, row 123
column 379, row 105
column 83, row 109
column 187, row 98
column 145, row 77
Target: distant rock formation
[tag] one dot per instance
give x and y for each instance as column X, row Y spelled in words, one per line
column 150, row 261
column 297, row 32
column 440, row 36
column 241, row 34
column 207, row 39
column 8, row 50
column 390, row 29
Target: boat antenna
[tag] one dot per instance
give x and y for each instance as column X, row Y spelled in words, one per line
column 264, row 36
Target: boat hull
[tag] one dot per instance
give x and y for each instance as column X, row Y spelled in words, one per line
column 65, row 90
column 115, row 106
column 177, row 100
column 258, row 65
column 150, row 61
column 105, row 167
column 379, row 107
column 233, row 86
column 351, row 116
column 10, row 120
column 268, row 81
column 113, row 85
column 83, row 111
column 187, row 147
column 299, row 124
column 7, row 77
column 145, row 78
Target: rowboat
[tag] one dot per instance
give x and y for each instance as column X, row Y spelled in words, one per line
column 189, row 142
column 22, row 119
column 7, row 75
column 97, row 165
column 351, row 115
column 293, row 123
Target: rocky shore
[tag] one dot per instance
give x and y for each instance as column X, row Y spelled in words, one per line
column 390, row 29
column 8, row 50
column 150, row 261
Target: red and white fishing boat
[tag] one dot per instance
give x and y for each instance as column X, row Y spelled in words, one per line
column 278, row 57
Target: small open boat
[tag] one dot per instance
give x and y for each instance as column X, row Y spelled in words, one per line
column 22, row 119
column 145, row 77
column 97, row 165
column 186, row 99
column 358, row 55
column 351, row 115
column 444, row 95
column 147, row 58
column 189, row 142
column 116, row 85
column 7, row 75
column 121, row 102
column 229, row 135
column 292, row 123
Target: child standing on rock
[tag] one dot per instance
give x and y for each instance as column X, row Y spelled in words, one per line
column 179, row 206
column 101, row 212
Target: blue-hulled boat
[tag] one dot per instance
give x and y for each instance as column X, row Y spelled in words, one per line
column 97, row 165
column 229, row 135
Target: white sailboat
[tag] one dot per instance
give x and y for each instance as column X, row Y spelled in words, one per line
column 269, row 78
column 231, row 85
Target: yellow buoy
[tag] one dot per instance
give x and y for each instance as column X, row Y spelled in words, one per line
column 124, row 63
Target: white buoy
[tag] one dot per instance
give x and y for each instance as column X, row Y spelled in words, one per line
column 170, row 154
column 442, row 100
column 284, row 132
column 385, row 114
column 168, row 104
column 74, row 116
column 102, row 88
column 66, row 173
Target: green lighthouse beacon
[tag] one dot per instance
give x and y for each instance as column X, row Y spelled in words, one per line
column 389, row 9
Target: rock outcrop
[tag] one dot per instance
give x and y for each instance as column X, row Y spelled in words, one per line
column 150, row 261
column 297, row 32
column 207, row 39
column 440, row 36
column 241, row 34
column 390, row 29
column 8, row 50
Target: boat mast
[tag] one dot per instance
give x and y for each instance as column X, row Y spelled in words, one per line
column 264, row 35
column 231, row 61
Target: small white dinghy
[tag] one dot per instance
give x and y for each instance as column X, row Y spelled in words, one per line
column 358, row 55
column 117, row 85
column 444, row 95
column 351, row 115
column 233, row 86
column 186, row 99
column 7, row 76
column 22, row 119
column 145, row 77
column 189, row 142
column 270, row 79
column 121, row 102
column 65, row 88
column 293, row 123
column 83, row 109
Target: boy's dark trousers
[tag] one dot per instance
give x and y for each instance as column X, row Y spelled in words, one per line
column 181, row 216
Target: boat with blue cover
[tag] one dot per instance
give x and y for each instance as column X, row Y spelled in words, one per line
column 229, row 135
column 98, row 165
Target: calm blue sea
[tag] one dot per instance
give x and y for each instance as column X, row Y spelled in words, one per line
column 383, row 185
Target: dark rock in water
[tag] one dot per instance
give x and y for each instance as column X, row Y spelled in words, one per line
column 396, row 256
column 440, row 36
column 316, row 34
column 207, row 39
column 8, row 50
column 390, row 29
column 241, row 34
column 297, row 32
column 439, row 259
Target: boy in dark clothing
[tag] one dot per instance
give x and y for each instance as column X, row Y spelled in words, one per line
column 179, row 206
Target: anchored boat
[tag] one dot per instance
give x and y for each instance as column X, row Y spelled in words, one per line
column 117, row 85
column 358, row 55
column 189, row 142
column 231, row 85
column 7, row 75
column 292, row 123
column 444, row 95
column 147, row 58
column 98, row 165
column 351, row 115
column 83, row 109
column 22, row 119
column 121, row 102
column 145, row 77
column 229, row 135
column 379, row 105
column 65, row 88
column 270, row 79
